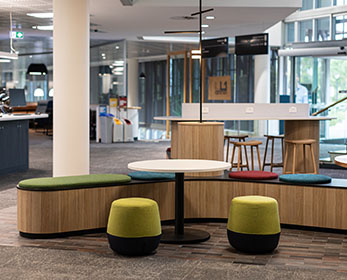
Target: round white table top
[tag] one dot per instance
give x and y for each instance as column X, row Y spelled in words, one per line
column 179, row 165
column 341, row 161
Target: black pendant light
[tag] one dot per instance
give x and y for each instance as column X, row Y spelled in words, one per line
column 37, row 69
column 200, row 12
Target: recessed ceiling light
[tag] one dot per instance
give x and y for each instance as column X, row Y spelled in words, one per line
column 195, row 51
column 204, row 25
column 103, row 54
column 43, row 27
column 118, row 63
column 196, row 56
column 210, row 17
column 117, row 47
column 41, row 15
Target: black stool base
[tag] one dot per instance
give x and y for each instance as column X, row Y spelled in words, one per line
column 190, row 236
column 253, row 243
column 133, row 246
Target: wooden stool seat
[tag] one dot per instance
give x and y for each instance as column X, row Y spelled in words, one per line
column 239, row 145
column 241, row 137
column 272, row 138
column 248, row 143
column 304, row 143
column 301, row 142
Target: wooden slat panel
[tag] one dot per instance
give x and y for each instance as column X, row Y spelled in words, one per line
column 82, row 209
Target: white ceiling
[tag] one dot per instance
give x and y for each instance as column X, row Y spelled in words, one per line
column 148, row 17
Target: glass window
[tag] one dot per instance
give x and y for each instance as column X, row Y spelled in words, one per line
column 322, row 29
column 323, row 3
column 305, row 30
column 340, row 27
column 290, row 32
column 307, row 5
column 340, row 2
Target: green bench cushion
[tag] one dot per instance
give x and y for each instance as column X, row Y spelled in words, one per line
column 72, row 182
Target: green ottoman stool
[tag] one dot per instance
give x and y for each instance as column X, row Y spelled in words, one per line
column 254, row 224
column 134, row 226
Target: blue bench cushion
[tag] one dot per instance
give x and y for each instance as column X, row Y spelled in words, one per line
column 143, row 175
column 305, row 178
column 73, row 182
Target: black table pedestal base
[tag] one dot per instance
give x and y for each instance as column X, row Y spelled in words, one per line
column 190, row 236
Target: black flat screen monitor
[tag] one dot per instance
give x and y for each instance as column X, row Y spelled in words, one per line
column 17, row 97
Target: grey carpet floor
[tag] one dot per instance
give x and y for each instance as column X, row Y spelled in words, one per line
column 35, row 263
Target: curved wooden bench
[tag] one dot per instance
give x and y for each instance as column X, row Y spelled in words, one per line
column 69, row 210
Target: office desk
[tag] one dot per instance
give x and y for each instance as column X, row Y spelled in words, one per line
column 294, row 128
column 14, row 141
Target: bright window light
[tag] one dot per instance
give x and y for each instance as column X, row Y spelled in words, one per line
column 5, row 60
column 171, row 39
column 43, row 27
column 196, row 56
column 39, row 92
column 195, row 51
column 41, row 15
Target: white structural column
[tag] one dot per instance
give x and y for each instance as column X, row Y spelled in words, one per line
column 262, row 85
column 133, row 82
column 71, row 87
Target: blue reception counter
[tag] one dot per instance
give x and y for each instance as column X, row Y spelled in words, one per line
column 14, row 142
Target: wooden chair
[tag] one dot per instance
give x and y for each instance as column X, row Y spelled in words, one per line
column 227, row 138
column 239, row 145
column 295, row 143
column 271, row 163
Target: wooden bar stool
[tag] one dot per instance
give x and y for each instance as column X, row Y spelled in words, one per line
column 239, row 145
column 271, row 163
column 304, row 143
column 227, row 138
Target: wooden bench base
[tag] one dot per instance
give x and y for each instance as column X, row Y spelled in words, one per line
column 61, row 211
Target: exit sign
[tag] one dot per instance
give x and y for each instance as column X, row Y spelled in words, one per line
column 17, row 35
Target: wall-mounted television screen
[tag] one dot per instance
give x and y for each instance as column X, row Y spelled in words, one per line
column 252, row 44
column 215, row 47
column 17, row 97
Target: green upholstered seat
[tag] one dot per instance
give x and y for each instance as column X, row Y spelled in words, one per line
column 72, row 182
column 254, row 224
column 143, row 175
column 134, row 226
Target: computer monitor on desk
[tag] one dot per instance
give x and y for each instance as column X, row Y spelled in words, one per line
column 17, row 97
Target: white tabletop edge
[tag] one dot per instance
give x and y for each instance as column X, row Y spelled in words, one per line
column 179, row 165
column 14, row 117
column 309, row 118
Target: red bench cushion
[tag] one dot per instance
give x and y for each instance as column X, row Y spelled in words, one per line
column 253, row 175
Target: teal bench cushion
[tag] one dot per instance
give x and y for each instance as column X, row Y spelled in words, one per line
column 305, row 178
column 72, row 182
column 143, row 175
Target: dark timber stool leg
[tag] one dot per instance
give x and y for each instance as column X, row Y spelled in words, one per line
column 272, row 164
